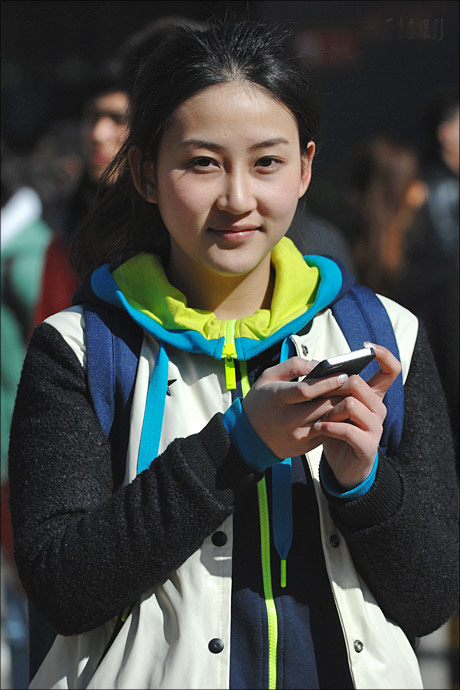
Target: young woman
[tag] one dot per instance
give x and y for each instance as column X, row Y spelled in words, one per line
column 256, row 534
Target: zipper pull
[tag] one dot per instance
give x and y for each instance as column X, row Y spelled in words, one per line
column 229, row 354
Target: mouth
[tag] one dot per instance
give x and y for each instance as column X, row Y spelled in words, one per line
column 236, row 233
column 100, row 159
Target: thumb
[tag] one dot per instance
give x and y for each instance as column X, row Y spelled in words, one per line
column 292, row 368
column 390, row 368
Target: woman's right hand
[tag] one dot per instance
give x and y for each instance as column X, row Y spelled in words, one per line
column 282, row 412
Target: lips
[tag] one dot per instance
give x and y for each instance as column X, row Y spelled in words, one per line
column 237, row 228
column 236, row 233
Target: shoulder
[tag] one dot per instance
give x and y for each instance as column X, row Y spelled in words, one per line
column 405, row 326
column 70, row 324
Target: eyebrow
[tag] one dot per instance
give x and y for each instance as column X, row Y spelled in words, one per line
column 198, row 143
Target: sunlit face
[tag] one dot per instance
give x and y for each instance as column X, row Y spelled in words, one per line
column 228, row 178
column 104, row 129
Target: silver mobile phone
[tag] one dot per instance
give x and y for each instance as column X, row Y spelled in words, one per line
column 349, row 363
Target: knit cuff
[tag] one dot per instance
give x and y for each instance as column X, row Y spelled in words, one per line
column 332, row 486
column 381, row 502
column 253, row 451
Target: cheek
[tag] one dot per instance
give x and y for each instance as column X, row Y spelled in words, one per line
column 120, row 135
column 183, row 194
column 280, row 200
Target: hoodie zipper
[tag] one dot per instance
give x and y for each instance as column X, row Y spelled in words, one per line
column 229, row 354
column 264, row 519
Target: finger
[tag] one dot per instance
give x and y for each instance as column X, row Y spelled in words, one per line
column 350, row 434
column 305, row 391
column 390, row 367
column 291, row 368
column 360, row 390
column 355, row 412
column 306, row 414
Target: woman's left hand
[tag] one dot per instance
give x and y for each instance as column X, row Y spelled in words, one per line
column 352, row 430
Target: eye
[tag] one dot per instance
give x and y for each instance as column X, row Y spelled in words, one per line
column 119, row 118
column 268, row 163
column 202, row 163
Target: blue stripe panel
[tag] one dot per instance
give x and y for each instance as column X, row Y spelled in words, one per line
column 154, row 411
column 253, row 451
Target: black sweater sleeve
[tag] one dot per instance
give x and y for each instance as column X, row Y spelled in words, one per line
column 403, row 534
column 83, row 551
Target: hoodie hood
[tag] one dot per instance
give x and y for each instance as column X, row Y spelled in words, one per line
column 303, row 287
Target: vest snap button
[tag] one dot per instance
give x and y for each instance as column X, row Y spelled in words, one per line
column 215, row 645
column 334, row 541
column 219, row 538
column 358, row 645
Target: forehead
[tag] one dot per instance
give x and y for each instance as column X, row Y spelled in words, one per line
column 112, row 101
column 233, row 108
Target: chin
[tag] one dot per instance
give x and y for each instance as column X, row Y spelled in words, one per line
column 233, row 268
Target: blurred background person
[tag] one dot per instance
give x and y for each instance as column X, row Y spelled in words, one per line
column 386, row 195
column 440, row 170
column 24, row 239
column 396, row 252
column 103, row 128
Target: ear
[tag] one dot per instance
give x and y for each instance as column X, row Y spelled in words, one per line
column 306, row 163
column 143, row 179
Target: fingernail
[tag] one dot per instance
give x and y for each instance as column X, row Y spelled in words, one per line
column 342, row 378
column 367, row 343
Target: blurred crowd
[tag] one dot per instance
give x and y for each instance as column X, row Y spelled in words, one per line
column 398, row 233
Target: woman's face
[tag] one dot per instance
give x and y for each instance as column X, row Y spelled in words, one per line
column 228, row 178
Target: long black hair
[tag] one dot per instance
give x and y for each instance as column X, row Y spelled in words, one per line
column 185, row 62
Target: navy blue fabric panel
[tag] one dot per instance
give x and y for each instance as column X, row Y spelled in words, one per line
column 362, row 316
column 113, row 344
column 311, row 649
column 100, row 368
column 249, row 632
column 311, row 631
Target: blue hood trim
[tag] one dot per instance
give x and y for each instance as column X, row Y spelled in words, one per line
column 105, row 287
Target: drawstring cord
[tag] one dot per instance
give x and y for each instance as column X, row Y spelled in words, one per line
column 282, row 496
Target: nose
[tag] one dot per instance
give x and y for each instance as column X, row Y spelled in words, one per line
column 103, row 130
column 237, row 195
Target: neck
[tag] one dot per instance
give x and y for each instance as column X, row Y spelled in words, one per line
column 229, row 297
